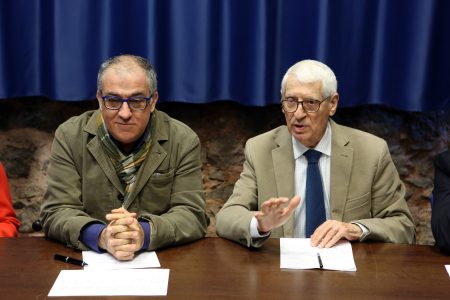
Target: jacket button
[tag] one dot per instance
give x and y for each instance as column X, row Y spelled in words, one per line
column 120, row 197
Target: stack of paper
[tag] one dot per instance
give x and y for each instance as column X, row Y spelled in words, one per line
column 106, row 276
column 298, row 254
column 107, row 261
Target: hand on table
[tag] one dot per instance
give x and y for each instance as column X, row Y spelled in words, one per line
column 331, row 231
column 123, row 236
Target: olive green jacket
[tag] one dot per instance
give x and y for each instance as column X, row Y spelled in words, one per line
column 83, row 186
column 364, row 186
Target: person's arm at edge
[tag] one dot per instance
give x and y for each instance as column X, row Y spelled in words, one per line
column 9, row 224
column 440, row 214
column 391, row 220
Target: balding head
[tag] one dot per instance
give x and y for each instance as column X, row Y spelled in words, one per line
column 128, row 63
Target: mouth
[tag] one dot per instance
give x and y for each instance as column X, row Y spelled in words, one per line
column 124, row 126
column 299, row 128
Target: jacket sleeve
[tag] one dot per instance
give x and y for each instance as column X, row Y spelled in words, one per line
column 440, row 218
column 233, row 220
column 8, row 221
column 391, row 219
column 186, row 219
column 62, row 213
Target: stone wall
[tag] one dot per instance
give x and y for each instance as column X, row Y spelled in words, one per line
column 27, row 127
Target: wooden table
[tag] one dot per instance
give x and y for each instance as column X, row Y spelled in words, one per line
column 214, row 268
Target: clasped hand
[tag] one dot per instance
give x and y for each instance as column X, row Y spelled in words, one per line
column 123, row 236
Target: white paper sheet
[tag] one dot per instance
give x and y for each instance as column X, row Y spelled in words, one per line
column 107, row 261
column 140, row 282
column 447, row 267
column 298, row 254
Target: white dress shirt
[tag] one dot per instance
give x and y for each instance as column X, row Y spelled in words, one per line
column 301, row 165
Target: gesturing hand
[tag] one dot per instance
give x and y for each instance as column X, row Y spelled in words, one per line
column 123, row 236
column 275, row 213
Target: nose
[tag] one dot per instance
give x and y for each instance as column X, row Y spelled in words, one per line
column 125, row 111
column 299, row 113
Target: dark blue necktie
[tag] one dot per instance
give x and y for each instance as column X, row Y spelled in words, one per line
column 315, row 207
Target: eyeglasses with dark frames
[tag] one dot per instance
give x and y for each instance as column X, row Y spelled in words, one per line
column 134, row 102
column 290, row 104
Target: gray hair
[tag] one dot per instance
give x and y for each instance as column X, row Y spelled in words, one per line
column 127, row 59
column 311, row 71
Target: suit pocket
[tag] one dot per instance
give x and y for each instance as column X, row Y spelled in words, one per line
column 162, row 176
column 155, row 196
column 358, row 207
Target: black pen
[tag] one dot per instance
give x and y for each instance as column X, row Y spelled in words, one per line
column 320, row 260
column 70, row 260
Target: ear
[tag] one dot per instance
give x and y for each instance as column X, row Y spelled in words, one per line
column 334, row 104
column 153, row 103
column 99, row 99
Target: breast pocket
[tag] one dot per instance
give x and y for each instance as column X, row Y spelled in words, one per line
column 155, row 196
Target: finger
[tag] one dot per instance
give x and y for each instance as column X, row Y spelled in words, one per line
column 274, row 202
column 112, row 230
column 265, row 209
column 259, row 214
column 327, row 237
column 295, row 201
column 127, row 235
column 276, row 206
column 135, row 225
column 319, row 234
column 281, row 201
column 119, row 210
column 123, row 221
column 267, row 204
column 337, row 236
column 117, row 216
column 114, row 243
column 123, row 255
column 335, row 233
column 316, row 238
column 130, row 247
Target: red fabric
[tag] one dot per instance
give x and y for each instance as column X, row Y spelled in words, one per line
column 8, row 221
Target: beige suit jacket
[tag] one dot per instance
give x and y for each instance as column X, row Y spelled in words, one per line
column 364, row 188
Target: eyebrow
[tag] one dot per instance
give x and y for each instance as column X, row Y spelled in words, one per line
column 132, row 95
column 301, row 97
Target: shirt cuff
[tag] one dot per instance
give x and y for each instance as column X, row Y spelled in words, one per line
column 89, row 235
column 147, row 231
column 365, row 231
column 254, row 233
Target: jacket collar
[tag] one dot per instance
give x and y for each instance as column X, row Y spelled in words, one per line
column 341, row 167
column 159, row 128
column 284, row 167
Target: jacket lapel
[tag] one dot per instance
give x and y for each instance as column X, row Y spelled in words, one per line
column 283, row 166
column 157, row 154
column 341, row 166
column 95, row 148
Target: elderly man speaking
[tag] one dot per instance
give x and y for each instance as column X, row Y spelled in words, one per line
column 315, row 178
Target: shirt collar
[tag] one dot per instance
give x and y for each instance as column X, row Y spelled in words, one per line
column 324, row 145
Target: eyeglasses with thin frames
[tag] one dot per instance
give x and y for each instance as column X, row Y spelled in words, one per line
column 290, row 104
